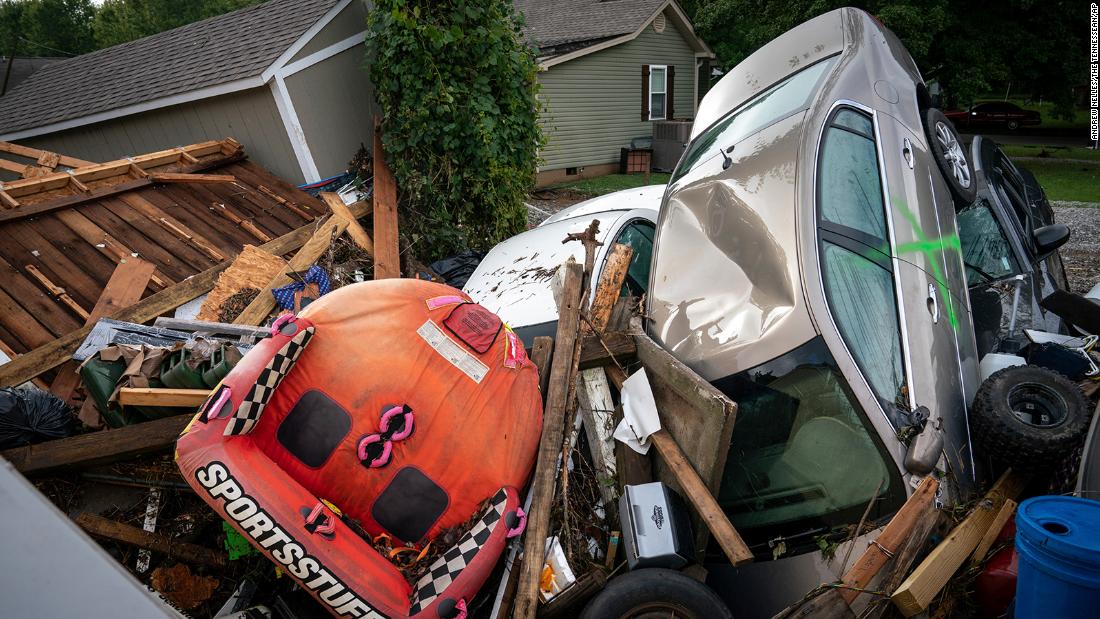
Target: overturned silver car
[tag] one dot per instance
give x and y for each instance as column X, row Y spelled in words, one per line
column 820, row 189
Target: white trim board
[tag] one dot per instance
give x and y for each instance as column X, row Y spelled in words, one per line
column 294, row 130
column 306, row 37
column 336, row 48
column 680, row 17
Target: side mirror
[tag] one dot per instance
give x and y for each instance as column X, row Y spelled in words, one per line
column 1050, row 238
column 924, row 448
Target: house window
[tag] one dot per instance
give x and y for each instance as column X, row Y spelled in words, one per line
column 657, row 91
column 658, row 87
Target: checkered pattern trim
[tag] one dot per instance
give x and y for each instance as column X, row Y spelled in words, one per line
column 248, row 413
column 447, row 567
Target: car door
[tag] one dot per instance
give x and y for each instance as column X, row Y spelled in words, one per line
column 932, row 287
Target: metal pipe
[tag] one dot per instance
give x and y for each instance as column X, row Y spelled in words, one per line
column 1015, row 304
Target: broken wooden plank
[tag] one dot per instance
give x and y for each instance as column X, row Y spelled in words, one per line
column 541, row 348
column 387, row 256
column 610, row 285
column 887, row 544
column 100, row 447
column 183, row 177
column 355, row 230
column 127, row 284
column 553, row 433
column 701, row 498
column 315, row 247
column 286, row 203
column 994, row 531
column 51, row 355
column 245, row 224
column 606, row 349
column 596, row 408
column 127, row 534
column 921, row 587
column 43, row 157
column 57, row 291
column 172, row 398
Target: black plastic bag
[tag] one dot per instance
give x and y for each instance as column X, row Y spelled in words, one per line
column 32, row 416
column 456, row 270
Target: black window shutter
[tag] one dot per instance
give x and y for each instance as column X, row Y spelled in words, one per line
column 670, row 91
column 645, row 92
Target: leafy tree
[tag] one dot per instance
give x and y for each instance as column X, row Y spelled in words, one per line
column 119, row 21
column 46, row 27
column 970, row 47
column 456, row 85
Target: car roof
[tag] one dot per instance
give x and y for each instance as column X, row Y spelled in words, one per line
column 647, row 197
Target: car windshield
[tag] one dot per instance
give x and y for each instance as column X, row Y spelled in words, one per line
column 986, row 251
column 803, row 456
column 779, row 101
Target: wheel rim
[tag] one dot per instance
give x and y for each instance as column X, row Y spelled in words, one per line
column 1037, row 405
column 953, row 153
column 657, row 610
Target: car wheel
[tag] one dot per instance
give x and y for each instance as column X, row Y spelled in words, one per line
column 950, row 155
column 1013, row 125
column 656, row 593
column 1029, row 417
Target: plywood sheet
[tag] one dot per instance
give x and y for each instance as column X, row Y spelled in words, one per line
column 253, row 268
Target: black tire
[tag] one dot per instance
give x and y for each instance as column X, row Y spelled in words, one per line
column 1050, row 419
column 951, row 156
column 656, row 592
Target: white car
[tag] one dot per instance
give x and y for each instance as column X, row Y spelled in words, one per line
column 513, row 279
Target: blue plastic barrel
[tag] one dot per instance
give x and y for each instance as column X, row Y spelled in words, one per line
column 1058, row 542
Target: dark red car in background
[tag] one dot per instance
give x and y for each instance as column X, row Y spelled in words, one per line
column 994, row 114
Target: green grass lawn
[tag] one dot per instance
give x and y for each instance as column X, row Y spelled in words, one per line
column 1067, row 180
column 612, row 182
column 1054, row 152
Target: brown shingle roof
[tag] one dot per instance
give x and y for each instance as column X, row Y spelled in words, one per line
column 213, row 51
column 554, row 23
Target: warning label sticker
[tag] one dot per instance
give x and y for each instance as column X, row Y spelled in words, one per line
column 453, row 351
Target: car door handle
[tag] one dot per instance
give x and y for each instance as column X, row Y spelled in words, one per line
column 907, row 152
column 933, row 304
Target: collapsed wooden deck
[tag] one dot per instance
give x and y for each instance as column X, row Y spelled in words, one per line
column 186, row 210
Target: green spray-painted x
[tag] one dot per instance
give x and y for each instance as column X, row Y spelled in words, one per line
column 930, row 248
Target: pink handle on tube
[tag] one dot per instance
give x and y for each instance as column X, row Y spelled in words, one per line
column 212, row 412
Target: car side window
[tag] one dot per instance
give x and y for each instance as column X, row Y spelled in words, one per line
column 638, row 235
column 987, row 253
column 856, row 265
column 850, row 193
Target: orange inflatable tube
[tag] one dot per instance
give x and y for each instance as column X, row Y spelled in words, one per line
column 394, row 407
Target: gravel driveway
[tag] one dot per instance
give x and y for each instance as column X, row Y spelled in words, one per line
column 1081, row 254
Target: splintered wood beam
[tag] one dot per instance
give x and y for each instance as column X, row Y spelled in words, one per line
column 915, row 594
column 56, row 291
column 157, row 542
column 315, row 247
column 102, row 447
column 245, row 224
column 53, row 354
column 173, row 398
column 889, row 542
column 286, row 203
column 387, row 254
column 355, row 231
column 610, row 285
column 7, row 199
column 178, row 177
column 553, row 433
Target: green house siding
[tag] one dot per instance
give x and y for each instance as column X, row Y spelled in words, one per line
column 593, row 104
